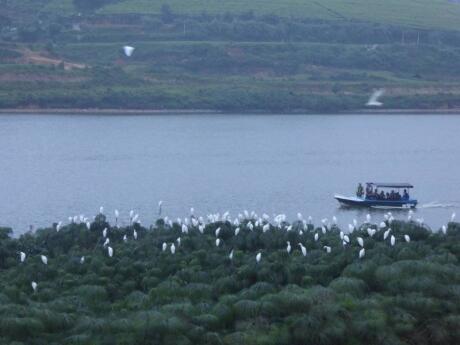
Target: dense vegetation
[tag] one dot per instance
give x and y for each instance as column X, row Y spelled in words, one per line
column 233, row 56
column 408, row 293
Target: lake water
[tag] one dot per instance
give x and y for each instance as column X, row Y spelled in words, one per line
column 56, row 166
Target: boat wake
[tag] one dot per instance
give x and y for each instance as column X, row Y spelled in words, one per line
column 436, row 204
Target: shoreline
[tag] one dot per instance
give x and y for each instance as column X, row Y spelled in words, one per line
column 98, row 111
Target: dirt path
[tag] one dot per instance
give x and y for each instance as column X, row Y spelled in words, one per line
column 38, row 58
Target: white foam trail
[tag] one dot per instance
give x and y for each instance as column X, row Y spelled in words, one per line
column 436, row 204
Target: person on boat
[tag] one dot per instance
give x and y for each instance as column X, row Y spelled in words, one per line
column 360, row 190
column 382, row 195
column 405, row 195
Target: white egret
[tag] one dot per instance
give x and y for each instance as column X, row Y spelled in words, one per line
column 382, row 225
column 44, row 259
column 135, row 234
column 328, row 249
column 346, row 238
column 334, row 220
column 34, row 286
column 371, row 232
column 125, row 238
column 164, row 246
column 299, row 216
column 250, row 226
column 128, row 50
column 230, row 256
column 351, row 228
column 110, row 251
column 173, row 248
column 374, row 98
column 184, row 229
column 217, row 242
column 104, row 233
column 300, row 232
column 237, row 231
column 82, row 260
column 217, row 232
column 88, row 225
column 392, row 240
column 385, row 234
column 101, row 210
column 107, row 241
column 258, row 257
column 289, row 228
column 362, row 252
column 360, row 241
column 452, row 218
column 444, row 229
column 407, row 238
column 303, row 249
column 160, row 203
column 323, row 229
column 316, row 237
column 58, row 226
column 22, row 256
column 288, row 248
column 266, row 227
column 201, row 228
column 178, row 241
column 341, row 235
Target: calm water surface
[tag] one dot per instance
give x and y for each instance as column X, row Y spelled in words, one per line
column 55, row 166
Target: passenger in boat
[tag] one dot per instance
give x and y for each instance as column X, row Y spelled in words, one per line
column 360, row 190
column 382, row 195
column 387, row 196
column 405, row 195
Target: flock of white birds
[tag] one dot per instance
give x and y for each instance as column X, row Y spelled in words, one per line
column 247, row 220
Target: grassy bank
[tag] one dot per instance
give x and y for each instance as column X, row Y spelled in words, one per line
column 404, row 293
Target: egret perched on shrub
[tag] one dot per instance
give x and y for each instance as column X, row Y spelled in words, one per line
column 106, row 242
column 230, row 256
column 392, row 240
column 266, row 227
column 385, row 234
column 407, row 238
column 373, row 100
column 125, row 238
column 360, row 241
column 58, row 226
column 44, row 259
column 328, row 249
column 135, row 234
column 217, row 232
column 217, row 242
column 382, row 225
column 34, row 286
column 288, row 248
column 22, row 256
column 82, row 260
column 178, row 241
column 316, row 237
column 258, row 257
column 104, row 233
column 351, row 228
column 164, row 246
column 341, row 234
column 362, row 252
column 334, row 220
column 101, row 210
column 173, row 248
column 117, row 214
column 110, row 251
column 88, row 225
column 299, row 216
column 444, row 229
column 452, row 218
column 371, row 232
column 303, row 249
column 323, row 230
column 346, row 238
column 237, row 231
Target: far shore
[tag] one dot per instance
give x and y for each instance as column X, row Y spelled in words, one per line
column 98, row 111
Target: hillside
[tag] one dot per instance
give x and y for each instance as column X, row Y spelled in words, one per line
column 290, row 56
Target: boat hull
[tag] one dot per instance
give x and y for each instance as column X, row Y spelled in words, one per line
column 361, row 202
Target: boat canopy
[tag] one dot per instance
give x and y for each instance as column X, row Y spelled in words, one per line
column 390, row 185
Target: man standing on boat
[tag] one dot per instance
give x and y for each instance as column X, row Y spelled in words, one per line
column 360, row 190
